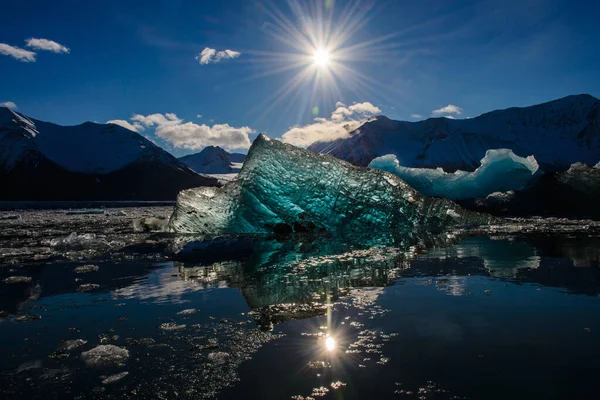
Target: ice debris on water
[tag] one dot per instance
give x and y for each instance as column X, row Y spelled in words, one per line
column 284, row 189
column 86, row 240
column 7, row 217
column 83, row 269
column 27, row 317
column 187, row 312
column 218, row 357
column 114, row 378
column 500, row 170
column 71, row 344
column 17, row 279
column 86, row 287
column 152, row 224
column 85, row 212
column 105, row 355
column 171, row 326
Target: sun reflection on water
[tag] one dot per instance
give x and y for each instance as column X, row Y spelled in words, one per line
column 330, row 343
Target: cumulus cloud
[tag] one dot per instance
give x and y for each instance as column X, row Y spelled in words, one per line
column 208, row 55
column 416, row 116
column 188, row 135
column 136, row 126
column 9, row 104
column 343, row 120
column 17, row 53
column 48, row 45
column 449, row 109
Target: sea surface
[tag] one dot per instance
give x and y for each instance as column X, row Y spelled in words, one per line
column 96, row 303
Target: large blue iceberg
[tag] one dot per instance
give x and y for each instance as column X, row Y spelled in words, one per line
column 501, row 170
column 282, row 188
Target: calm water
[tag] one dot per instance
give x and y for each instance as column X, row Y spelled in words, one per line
column 486, row 318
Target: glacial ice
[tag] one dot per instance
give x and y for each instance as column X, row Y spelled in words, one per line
column 282, row 188
column 501, row 170
column 105, row 355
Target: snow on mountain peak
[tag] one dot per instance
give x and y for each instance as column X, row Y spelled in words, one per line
column 213, row 160
column 86, row 148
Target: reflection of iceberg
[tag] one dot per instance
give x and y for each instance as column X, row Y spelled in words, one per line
column 502, row 257
column 282, row 188
column 500, row 170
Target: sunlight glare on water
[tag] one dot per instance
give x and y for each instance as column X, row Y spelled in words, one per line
column 330, row 343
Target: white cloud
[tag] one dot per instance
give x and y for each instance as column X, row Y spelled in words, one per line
column 339, row 104
column 9, row 104
column 189, row 135
column 343, row 120
column 198, row 115
column 157, row 119
column 209, row 55
column 48, row 45
column 449, row 117
column 136, row 126
column 416, row 116
column 449, row 109
column 17, row 53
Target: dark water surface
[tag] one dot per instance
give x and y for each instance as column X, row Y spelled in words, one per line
column 490, row 317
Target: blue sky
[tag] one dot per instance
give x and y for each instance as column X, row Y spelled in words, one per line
column 403, row 59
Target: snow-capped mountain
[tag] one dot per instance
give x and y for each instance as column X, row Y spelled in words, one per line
column 44, row 161
column 558, row 133
column 214, row 160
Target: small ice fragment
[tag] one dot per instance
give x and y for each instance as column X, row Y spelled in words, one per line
column 27, row 317
column 151, row 224
column 187, row 312
column 82, row 269
column 86, row 287
column 171, row 326
column 218, row 357
column 104, row 354
column 72, row 344
column 114, row 378
column 17, row 279
column 9, row 217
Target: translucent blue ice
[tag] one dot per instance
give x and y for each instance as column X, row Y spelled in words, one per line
column 501, row 170
column 282, row 188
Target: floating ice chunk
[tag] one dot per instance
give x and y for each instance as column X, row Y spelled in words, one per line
column 86, row 287
column 83, row 269
column 114, row 378
column 151, row 224
column 218, row 357
column 501, row 170
column 282, row 188
column 7, row 217
column 187, row 312
column 104, row 355
column 28, row 317
column 17, row 279
column 71, row 344
column 171, row 326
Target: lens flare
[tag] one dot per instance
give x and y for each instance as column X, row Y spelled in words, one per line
column 330, row 343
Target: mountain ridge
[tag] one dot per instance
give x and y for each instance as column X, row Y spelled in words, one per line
column 558, row 133
column 45, row 161
column 213, row 160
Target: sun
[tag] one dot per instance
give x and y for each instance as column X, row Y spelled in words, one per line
column 321, row 57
